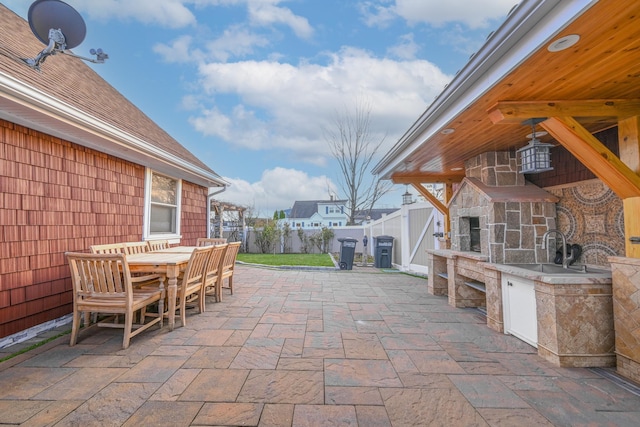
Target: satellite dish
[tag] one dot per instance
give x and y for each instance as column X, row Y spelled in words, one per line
column 44, row 15
column 60, row 27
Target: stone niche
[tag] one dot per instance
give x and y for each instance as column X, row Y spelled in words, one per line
column 511, row 214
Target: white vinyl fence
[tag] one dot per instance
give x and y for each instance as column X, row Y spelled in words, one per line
column 414, row 229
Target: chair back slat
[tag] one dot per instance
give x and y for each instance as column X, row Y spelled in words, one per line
column 136, row 247
column 100, row 275
column 195, row 267
column 230, row 256
column 210, row 241
column 110, row 248
column 156, row 245
column 214, row 263
column 193, row 281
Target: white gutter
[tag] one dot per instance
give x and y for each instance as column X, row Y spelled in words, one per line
column 531, row 24
column 89, row 131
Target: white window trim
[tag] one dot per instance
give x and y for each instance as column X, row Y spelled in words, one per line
column 146, row 234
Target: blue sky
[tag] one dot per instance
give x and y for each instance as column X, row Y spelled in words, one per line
column 249, row 85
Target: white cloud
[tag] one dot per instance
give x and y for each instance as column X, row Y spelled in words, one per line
column 376, row 15
column 473, row 14
column 266, row 13
column 167, row 13
column 236, row 41
column 178, row 51
column 277, row 189
column 405, row 49
column 176, row 14
column 286, row 106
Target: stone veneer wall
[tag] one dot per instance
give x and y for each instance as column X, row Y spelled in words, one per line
column 509, row 231
column 591, row 215
column 495, row 168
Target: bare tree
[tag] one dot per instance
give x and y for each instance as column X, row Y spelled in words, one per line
column 354, row 147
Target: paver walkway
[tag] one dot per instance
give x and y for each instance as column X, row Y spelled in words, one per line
column 310, row 348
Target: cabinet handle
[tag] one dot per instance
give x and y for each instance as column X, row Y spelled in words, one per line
column 509, row 284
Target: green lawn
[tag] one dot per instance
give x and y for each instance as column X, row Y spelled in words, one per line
column 308, row 260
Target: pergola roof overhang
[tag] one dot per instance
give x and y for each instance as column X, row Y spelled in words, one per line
column 581, row 90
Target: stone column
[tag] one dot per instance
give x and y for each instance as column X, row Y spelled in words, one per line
column 575, row 324
column 493, row 283
column 626, row 315
column 437, row 285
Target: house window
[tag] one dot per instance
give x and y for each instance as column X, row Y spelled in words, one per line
column 163, row 207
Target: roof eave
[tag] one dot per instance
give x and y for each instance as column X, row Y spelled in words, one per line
column 29, row 107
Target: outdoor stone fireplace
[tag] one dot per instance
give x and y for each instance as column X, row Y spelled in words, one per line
column 498, row 220
column 499, row 215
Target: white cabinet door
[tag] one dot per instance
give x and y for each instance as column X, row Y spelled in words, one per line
column 519, row 303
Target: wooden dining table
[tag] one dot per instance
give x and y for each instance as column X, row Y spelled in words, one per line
column 168, row 265
column 176, row 250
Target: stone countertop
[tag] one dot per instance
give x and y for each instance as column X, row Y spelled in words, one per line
column 593, row 275
column 448, row 253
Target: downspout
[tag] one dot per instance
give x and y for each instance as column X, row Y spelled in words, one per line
column 209, row 198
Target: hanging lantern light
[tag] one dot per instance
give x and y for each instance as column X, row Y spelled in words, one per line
column 535, row 157
column 407, row 197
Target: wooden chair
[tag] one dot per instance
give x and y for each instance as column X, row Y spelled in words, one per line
column 110, row 248
column 227, row 268
column 210, row 241
column 102, row 284
column 135, row 247
column 138, row 279
column 156, row 245
column 212, row 268
column 192, row 283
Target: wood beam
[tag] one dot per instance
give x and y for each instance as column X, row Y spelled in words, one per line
column 430, row 197
column 631, row 208
column 629, row 142
column 594, row 155
column 629, row 146
column 448, row 195
column 515, row 112
column 427, row 178
column 444, row 210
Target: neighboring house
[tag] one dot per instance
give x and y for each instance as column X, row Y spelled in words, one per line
column 317, row 214
column 79, row 165
column 367, row 216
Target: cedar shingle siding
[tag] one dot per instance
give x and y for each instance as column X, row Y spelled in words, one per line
column 57, row 196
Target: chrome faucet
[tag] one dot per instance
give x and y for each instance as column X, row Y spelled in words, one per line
column 565, row 261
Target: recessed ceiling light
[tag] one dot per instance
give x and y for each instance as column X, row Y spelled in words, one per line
column 447, row 131
column 563, row 43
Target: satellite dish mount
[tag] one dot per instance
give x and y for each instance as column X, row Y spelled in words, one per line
column 60, row 27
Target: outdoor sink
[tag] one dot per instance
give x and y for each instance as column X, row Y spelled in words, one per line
column 554, row 269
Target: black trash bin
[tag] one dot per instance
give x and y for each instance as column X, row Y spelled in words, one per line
column 383, row 248
column 347, row 252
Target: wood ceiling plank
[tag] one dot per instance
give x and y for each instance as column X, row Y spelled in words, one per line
column 424, row 178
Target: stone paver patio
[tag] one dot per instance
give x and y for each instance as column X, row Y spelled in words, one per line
column 309, row 348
